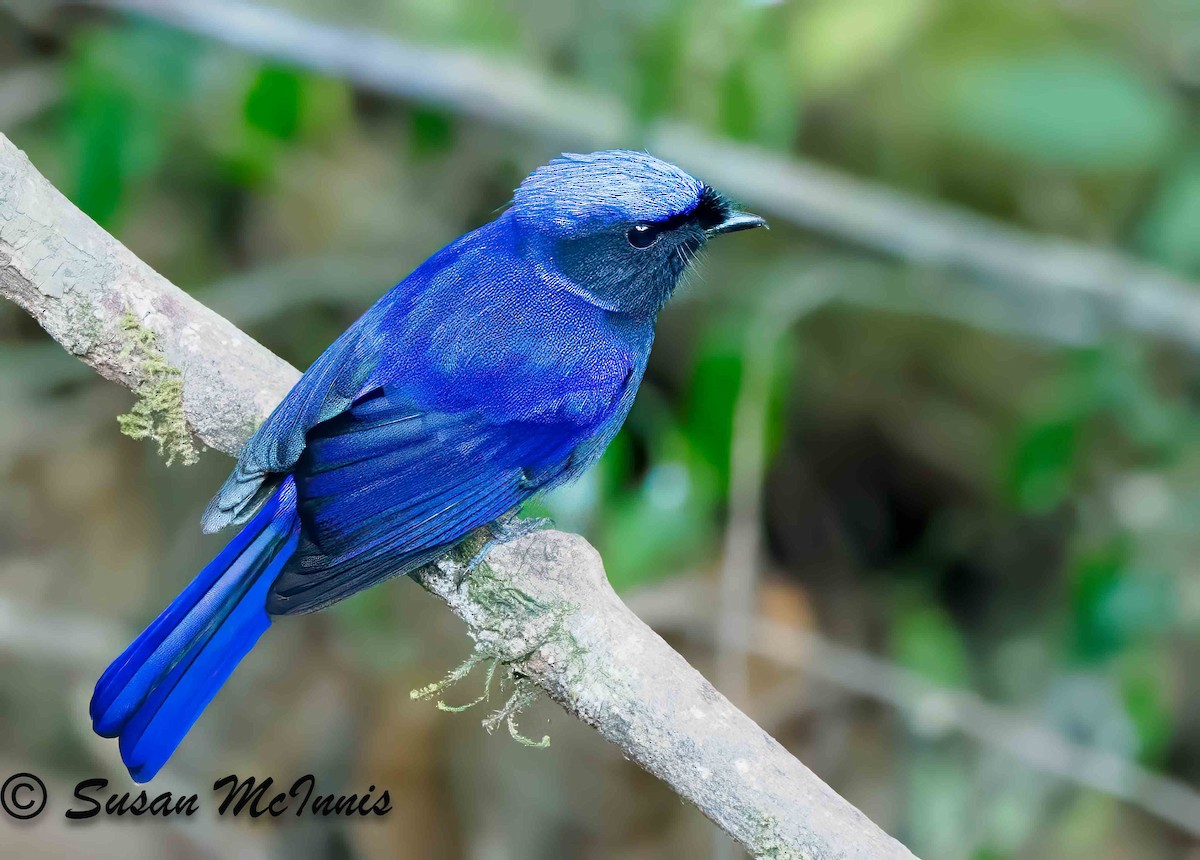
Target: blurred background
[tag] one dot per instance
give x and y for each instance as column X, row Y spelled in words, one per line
column 914, row 477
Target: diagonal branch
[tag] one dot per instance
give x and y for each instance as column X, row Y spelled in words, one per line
column 541, row 605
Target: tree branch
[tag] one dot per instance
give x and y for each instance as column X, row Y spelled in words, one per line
column 122, row 318
column 687, row 604
column 1100, row 287
column 541, row 605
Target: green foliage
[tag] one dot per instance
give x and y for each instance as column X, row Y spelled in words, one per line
column 432, row 131
column 756, row 97
column 126, row 87
column 1148, row 696
column 281, row 107
column 653, row 529
column 737, row 103
column 657, row 61
column 1104, row 397
column 1117, row 606
column 275, row 101
column 1167, row 233
column 712, row 396
column 1044, row 463
column 715, row 387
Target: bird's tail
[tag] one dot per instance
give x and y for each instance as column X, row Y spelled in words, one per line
column 152, row 694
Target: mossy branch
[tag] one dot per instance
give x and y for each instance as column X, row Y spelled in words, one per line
column 193, row 371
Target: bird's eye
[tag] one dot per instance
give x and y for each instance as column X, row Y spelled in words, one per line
column 643, row 235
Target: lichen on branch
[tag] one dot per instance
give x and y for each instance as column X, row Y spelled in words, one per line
column 158, row 413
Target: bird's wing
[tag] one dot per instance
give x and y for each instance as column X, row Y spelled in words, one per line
column 352, row 364
column 328, row 388
column 385, row 487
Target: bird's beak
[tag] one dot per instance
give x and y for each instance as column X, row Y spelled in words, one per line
column 734, row 222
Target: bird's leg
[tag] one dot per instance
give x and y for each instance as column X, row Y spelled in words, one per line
column 512, row 526
column 509, row 527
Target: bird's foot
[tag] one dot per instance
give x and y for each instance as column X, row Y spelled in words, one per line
column 513, row 527
column 505, row 530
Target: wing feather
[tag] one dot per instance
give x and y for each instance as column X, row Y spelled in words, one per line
column 325, row 390
column 384, row 488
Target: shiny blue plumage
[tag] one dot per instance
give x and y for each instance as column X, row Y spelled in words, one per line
column 500, row 368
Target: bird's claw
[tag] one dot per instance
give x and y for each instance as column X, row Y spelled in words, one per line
column 503, row 531
column 515, row 527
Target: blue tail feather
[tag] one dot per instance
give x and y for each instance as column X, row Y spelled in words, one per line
column 153, row 693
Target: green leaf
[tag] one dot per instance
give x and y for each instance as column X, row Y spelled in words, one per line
column 272, row 109
column 1043, row 464
column 1167, row 233
column 1061, row 108
column 1116, row 605
column 663, row 517
column 714, row 387
column 1146, row 691
column 104, row 123
column 126, row 89
column 431, row 131
column 273, row 103
column 665, row 520
column 1096, row 577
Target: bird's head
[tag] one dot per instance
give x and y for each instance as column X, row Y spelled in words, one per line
column 622, row 226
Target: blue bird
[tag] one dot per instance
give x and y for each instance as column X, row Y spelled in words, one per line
column 501, row 368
